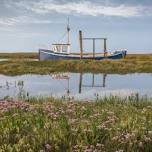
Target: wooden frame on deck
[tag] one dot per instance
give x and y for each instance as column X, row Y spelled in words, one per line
column 94, row 44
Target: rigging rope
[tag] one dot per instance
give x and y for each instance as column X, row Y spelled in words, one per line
column 62, row 37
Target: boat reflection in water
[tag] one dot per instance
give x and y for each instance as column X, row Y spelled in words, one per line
column 82, row 86
column 62, row 76
column 93, row 85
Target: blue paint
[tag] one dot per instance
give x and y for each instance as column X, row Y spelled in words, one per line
column 50, row 55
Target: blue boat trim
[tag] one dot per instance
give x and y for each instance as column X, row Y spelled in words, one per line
column 51, row 55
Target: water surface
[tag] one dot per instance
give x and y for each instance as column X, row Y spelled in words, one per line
column 3, row 60
column 80, row 86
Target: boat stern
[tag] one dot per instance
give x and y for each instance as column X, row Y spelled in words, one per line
column 43, row 54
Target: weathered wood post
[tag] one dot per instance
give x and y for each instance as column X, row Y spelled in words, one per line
column 93, row 47
column 80, row 83
column 93, row 80
column 105, row 47
column 39, row 55
column 104, row 80
column 81, row 44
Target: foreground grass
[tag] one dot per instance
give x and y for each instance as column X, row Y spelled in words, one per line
column 131, row 64
column 108, row 125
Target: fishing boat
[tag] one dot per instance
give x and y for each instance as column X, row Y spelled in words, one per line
column 63, row 50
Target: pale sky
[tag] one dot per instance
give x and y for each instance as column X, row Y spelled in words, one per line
column 26, row 25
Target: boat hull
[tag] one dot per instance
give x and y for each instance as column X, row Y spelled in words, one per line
column 50, row 55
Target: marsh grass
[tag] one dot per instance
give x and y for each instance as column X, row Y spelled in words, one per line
column 47, row 124
column 18, row 55
column 19, row 64
column 16, row 67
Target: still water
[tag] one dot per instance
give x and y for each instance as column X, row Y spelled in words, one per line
column 80, row 86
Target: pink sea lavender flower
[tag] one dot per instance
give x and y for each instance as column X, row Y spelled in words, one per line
column 89, row 148
column 70, row 110
column 140, row 144
column 48, row 146
column 102, row 126
column 150, row 133
column 99, row 146
column 147, row 139
column 120, row 150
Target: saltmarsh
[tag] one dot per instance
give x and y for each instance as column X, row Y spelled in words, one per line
column 18, row 55
column 20, row 64
column 107, row 125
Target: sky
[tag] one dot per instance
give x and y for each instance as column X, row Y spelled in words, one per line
column 27, row 25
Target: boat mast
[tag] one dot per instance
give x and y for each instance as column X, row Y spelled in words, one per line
column 68, row 31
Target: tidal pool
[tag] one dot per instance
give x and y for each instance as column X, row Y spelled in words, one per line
column 3, row 60
column 81, row 86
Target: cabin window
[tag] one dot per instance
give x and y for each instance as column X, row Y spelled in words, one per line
column 64, row 49
column 61, row 48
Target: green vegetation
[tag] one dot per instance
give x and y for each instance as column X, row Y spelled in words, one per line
column 108, row 125
column 22, row 65
column 18, row 55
